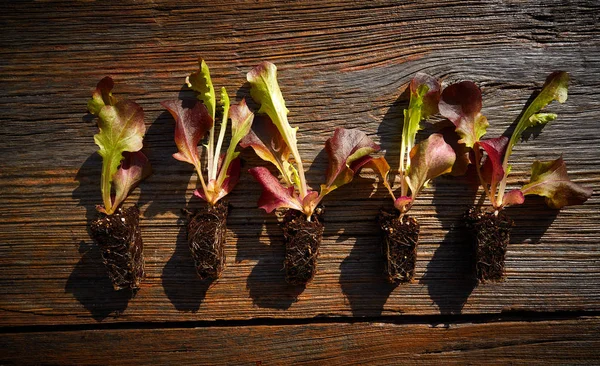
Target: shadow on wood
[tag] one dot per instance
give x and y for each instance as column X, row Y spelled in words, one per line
column 449, row 275
column 390, row 132
column 183, row 287
column 90, row 285
column 266, row 282
column 89, row 282
column 532, row 220
column 361, row 273
column 88, row 192
column 361, row 276
column 159, row 147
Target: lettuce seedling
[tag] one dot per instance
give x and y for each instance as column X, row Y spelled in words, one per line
column 117, row 230
column 461, row 104
column 193, row 120
column 275, row 141
column 419, row 164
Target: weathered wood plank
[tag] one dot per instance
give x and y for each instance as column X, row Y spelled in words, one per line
column 555, row 342
column 340, row 65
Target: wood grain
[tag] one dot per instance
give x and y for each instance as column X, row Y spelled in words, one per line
column 555, row 342
column 340, row 64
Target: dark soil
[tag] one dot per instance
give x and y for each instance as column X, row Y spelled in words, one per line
column 120, row 241
column 302, row 240
column 491, row 234
column 206, row 234
column 400, row 239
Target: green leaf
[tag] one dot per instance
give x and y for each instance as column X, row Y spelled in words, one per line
column 121, row 129
column 200, row 82
column 549, row 179
column 555, row 88
column 541, row 118
column 217, row 152
column 265, row 91
column 424, row 99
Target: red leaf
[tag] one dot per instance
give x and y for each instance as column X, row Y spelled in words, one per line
column 514, row 197
column 348, row 151
column 233, row 176
column 461, row 104
column 429, row 159
column 401, row 203
column 102, row 96
column 191, row 124
column 134, row 168
column 463, row 156
column 274, row 195
column 492, row 171
column 550, row 179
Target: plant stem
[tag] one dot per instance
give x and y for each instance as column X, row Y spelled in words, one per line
column 199, row 171
column 389, row 188
column 219, row 145
column 211, row 147
column 303, row 187
column 107, row 184
column 478, row 168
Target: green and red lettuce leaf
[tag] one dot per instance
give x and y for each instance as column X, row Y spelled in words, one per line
column 514, row 197
column 266, row 92
column 348, row 151
column 555, row 88
column 134, row 168
column 550, row 179
column 491, row 169
column 102, row 95
column 461, row 104
column 274, row 195
column 241, row 123
column 191, row 125
column 424, row 99
column 122, row 130
column 267, row 142
column 380, row 166
column 430, row 159
column 201, row 82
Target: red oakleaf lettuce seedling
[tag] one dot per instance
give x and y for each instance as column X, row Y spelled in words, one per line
column 419, row 164
column 117, row 231
column 461, row 104
column 274, row 140
column 193, row 120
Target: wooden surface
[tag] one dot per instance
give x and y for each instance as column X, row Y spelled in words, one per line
column 340, row 64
